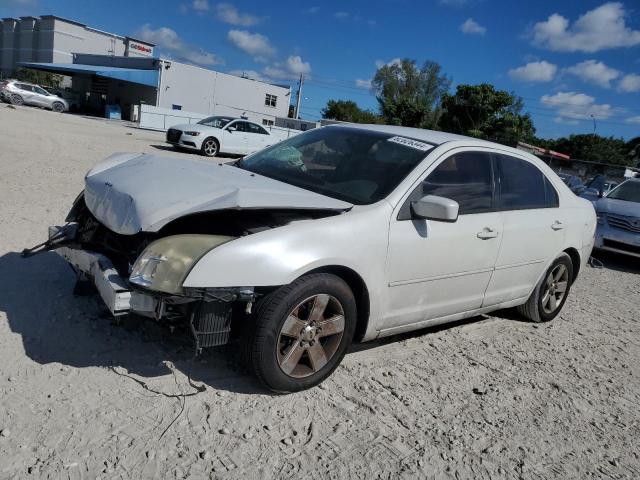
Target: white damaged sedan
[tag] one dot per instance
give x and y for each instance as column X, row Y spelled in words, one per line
column 343, row 233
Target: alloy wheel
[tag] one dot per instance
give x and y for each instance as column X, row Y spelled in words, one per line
column 310, row 336
column 555, row 288
column 210, row 148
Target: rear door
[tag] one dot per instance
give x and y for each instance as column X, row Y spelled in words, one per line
column 257, row 137
column 436, row 268
column 533, row 229
column 27, row 93
column 235, row 140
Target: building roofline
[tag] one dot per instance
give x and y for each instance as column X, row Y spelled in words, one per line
column 56, row 17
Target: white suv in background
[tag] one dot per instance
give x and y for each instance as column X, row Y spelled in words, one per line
column 219, row 134
column 23, row 93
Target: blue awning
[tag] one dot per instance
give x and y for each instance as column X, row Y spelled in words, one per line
column 133, row 75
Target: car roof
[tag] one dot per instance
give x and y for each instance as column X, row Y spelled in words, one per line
column 430, row 136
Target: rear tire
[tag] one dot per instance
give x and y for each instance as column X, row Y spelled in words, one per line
column 551, row 292
column 17, row 100
column 210, row 147
column 57, row 107
column 301, row 332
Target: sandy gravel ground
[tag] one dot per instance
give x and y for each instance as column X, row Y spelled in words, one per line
column 495, row 397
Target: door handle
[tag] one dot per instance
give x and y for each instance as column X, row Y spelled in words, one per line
column 557, row 225
column 487, row 233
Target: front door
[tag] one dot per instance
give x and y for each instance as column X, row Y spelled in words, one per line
column 434, row 268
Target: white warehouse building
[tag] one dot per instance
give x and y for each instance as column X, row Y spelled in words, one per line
column 109, row 70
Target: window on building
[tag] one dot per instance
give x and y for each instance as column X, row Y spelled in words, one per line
column 270, row 100
column 267, row 122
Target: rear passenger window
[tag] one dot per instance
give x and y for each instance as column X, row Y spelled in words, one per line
column 523, row 185
column 466, row 178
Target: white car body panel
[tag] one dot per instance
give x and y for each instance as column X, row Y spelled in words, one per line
column 417, row 272
column 232, row 142
column 402, row 298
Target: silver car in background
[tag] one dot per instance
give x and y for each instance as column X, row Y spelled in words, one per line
column 618, row 215
column 23, row 93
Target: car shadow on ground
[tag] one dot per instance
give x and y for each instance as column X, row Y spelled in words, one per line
column 78, row 331
column 617, row 262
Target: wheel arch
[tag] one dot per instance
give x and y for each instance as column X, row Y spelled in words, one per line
column 358, row 287
column 574, row 255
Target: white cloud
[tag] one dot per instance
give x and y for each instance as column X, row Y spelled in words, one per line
column 341, row 15
column 227, row 13
column 596, row 73
column 168, row 40
column 360, row 83
column 472, row 27
column 256, row 45
column 635, row 120
column 252, row 74
column 534, row 72
column 312, row 10
column 598, row 29
column 630, row 83
column 289, row 70
column 200, row 5
column 576, row 106
column 382, row 63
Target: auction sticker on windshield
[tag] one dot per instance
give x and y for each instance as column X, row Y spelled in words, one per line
column 408, row 142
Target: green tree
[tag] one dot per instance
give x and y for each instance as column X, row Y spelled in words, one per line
column 594, row 148
column 633, row 155
column 482, row 111
column 408, row 95
column 348, row 111
column 46, row 79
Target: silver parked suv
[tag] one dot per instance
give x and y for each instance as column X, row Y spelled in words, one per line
column 23, row 93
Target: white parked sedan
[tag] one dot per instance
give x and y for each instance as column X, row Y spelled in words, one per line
column 215, row 135
column 344, row 233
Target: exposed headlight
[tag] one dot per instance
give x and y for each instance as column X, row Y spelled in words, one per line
column 164, row 264
column 193, row 134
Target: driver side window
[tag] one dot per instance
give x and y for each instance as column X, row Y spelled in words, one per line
column 465, row 177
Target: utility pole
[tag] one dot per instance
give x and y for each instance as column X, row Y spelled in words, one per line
column 299, row 97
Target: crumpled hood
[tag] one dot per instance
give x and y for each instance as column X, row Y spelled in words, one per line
column 129, row 193
column 619, row 207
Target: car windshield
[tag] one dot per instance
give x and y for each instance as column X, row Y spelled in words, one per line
column 358, row 166
column 216, row 122
column 627, row 191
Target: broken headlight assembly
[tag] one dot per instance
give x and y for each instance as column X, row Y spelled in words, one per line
column 165, row 263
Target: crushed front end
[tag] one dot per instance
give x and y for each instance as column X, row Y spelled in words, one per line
column 142, row 274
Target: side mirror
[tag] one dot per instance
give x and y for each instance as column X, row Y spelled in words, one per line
column 231, row 129
column 432, row 207
column 600, row 192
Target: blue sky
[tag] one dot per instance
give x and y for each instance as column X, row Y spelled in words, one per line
column 571, row 61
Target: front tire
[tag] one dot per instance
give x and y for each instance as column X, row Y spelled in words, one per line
column 551, row 293
column 301, row 332
column 57, row 107
column 210, row 147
